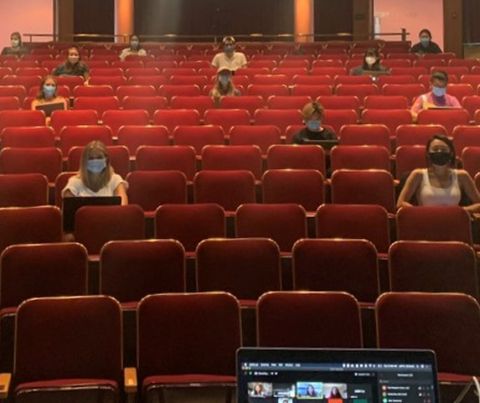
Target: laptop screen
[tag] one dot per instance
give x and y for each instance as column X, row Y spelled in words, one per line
column 336, row 376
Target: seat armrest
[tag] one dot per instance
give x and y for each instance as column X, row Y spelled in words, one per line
column 5, row 380
column 130, row 380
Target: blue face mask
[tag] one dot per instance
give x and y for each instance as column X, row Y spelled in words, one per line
column 49, row 90
column 314, row 125
column 96, row 166
column 425, row 41
column 439, row 92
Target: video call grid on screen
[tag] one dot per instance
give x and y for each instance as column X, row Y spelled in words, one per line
column 281, row 381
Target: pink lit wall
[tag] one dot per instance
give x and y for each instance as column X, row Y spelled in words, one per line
column 25, row 16
column 414, row 15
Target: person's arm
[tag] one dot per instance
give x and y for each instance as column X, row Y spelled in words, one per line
column 455, row 103
column 123, row 54
column 215, row 62
column 468, row 186
column 121, row 191
column 142, row 52
column 417, row 107
column 244, row 61
column 67, row 193
column 33, row 104
column 411, row 186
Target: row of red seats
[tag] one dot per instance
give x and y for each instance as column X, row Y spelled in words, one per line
column 208, row 326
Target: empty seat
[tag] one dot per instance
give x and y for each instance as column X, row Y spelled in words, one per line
column 262, row 136
column 118, row 118
column 444, row 223
column 367, row 135
column 267, row 90
column 340, row 102
column 25, row 81
column 23, row 190
column 154, row 80
column 135, row 90
column 409, row 71
column 392, row 118
column 24, row 225
column 229, row 189
column 113, row 81
column 348, row 265
column 167, row 158
column 270, row 79
column 93, row 91
column 471, row 104
column 397, row 79
column 471, row 160
column 360, row 157
column 227, row 118
column 359, row 90
column 60, row 119
column 386, row 102
column 149, row 104
column 98, row 104
column 205, row 324
column 288, row 102
column 408, row 158
column 189, row 223
column 284, row 223
column 15, row 118
column 460, row 91
column 433, row 267
column 299, row 186
column 278, row 117
column 249, row 103
column 198, row 136
column 432, row 321
column 364, row 187
column 353, row 80
column 78, row 136
column 131, row 270
column 178, row 117
column 295, row 308
column 18, row 91
column 199, row 103
column 28, row 137
column 170, row 91
column 312, row 90
column 10, row 103
column 106, row 72
column 465, row 136
column 230, row 264
column 412, row 135
column 447, row 118
column 410, row 91
column 46, row 161
column 96, row 225
column 296, row 157
column 338, row 118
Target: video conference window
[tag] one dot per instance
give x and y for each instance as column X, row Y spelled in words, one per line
column 333, row 392
column 260, row 389
column 309, row 390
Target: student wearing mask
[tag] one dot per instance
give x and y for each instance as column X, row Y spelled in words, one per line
column 425, row 45
column 134, row 49
column 313, row 113
column 229, row 58
column 16, row 48
column 73, row 66
column 224, row 86
column 96, row 177
column 440, row 184
column 371, row 63
column 47, row 95
column 437, row 97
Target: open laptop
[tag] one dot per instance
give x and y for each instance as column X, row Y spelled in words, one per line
column 336, row 376
column 72, row 204
column 49, row 108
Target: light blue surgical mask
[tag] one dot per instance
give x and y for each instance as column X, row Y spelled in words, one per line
column 96, row 166
column 439, row 92
column 134, row 44
column 314, row 125
column 49, row 90
column 425, row 41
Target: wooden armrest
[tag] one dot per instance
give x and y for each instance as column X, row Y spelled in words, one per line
column 130, row 380
column 5, row 385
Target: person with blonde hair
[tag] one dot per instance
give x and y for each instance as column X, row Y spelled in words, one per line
column 96, row 177
column 224, row 86
column 313, row 114
column 229, row 58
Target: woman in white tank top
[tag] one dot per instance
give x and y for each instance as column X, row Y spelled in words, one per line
column 440, row 184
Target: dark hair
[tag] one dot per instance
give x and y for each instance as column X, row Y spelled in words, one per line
column 425, row 31
column 73, row 67
column 439, row 75
column 371, row 52
column 135, row 36
column 20, row 43
column 445, row 140
column 41, row 93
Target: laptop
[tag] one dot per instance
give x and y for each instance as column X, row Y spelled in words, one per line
column 72, row 204
column 336, row 376
column 49, row 108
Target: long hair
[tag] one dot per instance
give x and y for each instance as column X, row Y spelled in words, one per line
column 97, row 181
column 371, row 52
column 445, row 140
column 219, row 91
column 17, row 34
column 41, row 93
column 139, row 43
column 73, row 67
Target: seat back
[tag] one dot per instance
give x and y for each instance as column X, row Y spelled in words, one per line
column 360, row 157
column 167, row 158
column 295, row 157
column 23, row 190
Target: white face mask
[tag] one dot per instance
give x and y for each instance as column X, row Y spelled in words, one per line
column 371, row 60
column 15, row 43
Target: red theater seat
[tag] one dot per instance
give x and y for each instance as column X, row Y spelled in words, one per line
column 408, row 158
column 72, row 136
column 135, row 90
column 413, row 135
column 250, row 103
column 392, row 118
column 312, row 90
column 23, row 190
column 366, row 135
column 296, row 157
column 278, row 117
column 135, row 136
column 386, row 102
column 167, row 158
column 359, row 157
column 338, row 118
column 60, row 119
column 98, row 104
column 199, row 103
column 227, row 118
column 267, row 90
column 198, row 136
column 149, row 104
column 118, row 118
column 177, row 117
column 471, row 160
column 9, row 103
column 93, row 91
column 340, row 102
column 447, row 118
column 21, row 118
column 262, row 136
column 28, row 137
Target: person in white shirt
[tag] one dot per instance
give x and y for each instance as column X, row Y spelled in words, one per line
column 96, row 177
column 229, row 58
column 134, row 49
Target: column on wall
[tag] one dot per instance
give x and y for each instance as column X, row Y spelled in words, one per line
column 304, row 10
column 124, row 19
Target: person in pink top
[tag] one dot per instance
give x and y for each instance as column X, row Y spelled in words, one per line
column 437, row 97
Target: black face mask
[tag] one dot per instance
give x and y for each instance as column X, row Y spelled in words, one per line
column 440, row 158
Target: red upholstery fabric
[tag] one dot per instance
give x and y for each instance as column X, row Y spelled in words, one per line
column 392, row 118
column 334, row 264
column 176, row 117
column 288, row 102
column 60, row 183
column 446, row 323
column 408, row 158
column 230, row 265
column 28, row 137
column 313, row 89
column 189, row 223
column 250, row 103
column 471, row 160
column 386, row 102
column 60, row 119
column 447, row 118
column 199, row 103
column 72, row 136
column 198, row 136
column 267, row 90
column 465, row 136
column 13, row 91
column 131, row 270
column 300, row 310
column 366, row 134
column 21, row 118
column 133, row 137
column 340, row 101
column 417, row 135
column 9, row 103
column 99, row 104
column 93, row 91
column 170, row 91
column 338, row 118
column 23, row 190
column 116, row 119
column 359, row 90
column 227, row 117
column 282, row 118
column 135, row 90
column 284, row 223
column 360, row 157
column 114, row 81
column 292, row 157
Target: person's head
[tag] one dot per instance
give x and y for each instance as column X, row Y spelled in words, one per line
column 334, row 392
column 228, row 45
column 310, row 390
column 439, row 82
column 16, row 40
column 285, row 400
column 313, row 114
column 440, row 151
column 48, row 88
column 224, row 77
column 134, row 42
column 425, row 37
column 95, row 168
column 371, row 58
column 73, row 55
column 258, row 388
